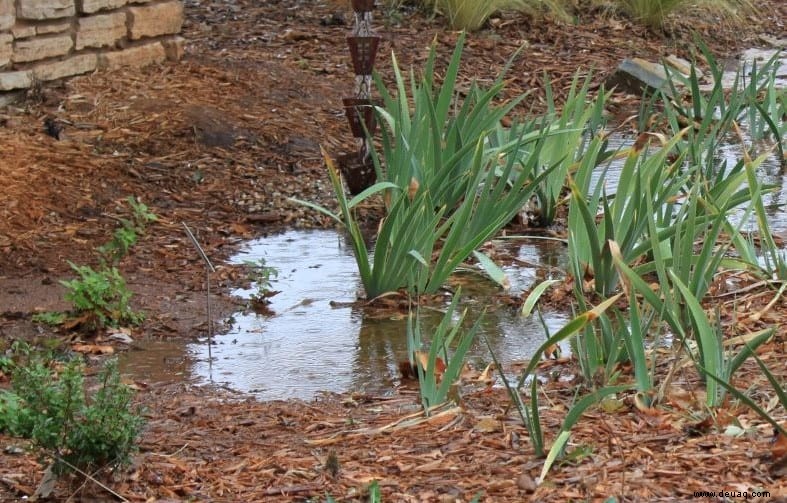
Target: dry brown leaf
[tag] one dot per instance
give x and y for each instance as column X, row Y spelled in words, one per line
column 93, row 349
column 487, row 425
column 779, row 447
column 422, row 357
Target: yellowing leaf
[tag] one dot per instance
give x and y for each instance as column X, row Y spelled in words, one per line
column 93, row 349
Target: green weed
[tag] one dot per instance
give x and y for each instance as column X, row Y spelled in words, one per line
column 100, row 296
column 127, row 234
column 261, row 274
column 52, row 318
column 48, row 404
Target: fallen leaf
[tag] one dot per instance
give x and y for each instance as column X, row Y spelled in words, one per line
column 779, row 447
column 422, row 357
column 121, row 335
column 93, row 349
column 487, row 425
column 486, row 376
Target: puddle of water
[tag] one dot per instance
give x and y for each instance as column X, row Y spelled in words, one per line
column 308, row 346
column 758, row 57
column 769, row 172
column 157, row 361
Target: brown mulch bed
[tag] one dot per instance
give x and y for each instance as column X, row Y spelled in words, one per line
column 220, row 141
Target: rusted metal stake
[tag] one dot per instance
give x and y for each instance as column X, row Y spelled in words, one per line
column 208, row 269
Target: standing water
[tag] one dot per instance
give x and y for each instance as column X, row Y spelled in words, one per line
column 315, row 341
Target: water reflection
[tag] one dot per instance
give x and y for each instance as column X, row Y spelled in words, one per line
column 311, row 345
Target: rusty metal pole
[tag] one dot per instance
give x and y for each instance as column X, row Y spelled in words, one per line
column 358, row 170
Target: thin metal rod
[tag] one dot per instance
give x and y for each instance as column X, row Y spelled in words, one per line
column 198, row 247
column 210, row 325
column 208, row 269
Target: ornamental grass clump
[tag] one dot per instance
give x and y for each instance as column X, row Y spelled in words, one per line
column 654, row 13
column 446, row 187
column 471, row 15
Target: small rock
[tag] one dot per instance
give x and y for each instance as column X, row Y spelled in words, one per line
column 682, row 66
column 14, row 450
column 526, row 482
column 636, row 75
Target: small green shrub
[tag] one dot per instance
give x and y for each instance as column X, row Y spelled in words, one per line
column 48, row 405
column 101, row 296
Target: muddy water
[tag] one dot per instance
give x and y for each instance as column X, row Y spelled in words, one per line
column 313, row 342
column 158, row 361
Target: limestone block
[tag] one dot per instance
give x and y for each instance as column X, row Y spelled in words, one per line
column 6, row 48
column 636, row 75
column 37, row 48
column 23, row 30
column 91, row 6
column 45, row 9
column 75, row 65
column 7, row 16
column 53, row 27
column 15, row 80
column 157, row 19
column 173, row 47
column 100, row 30
column 138, row 56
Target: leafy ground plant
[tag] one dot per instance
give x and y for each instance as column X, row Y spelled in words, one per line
column 437, row 372
column 261, row 274
column 100, row 296
column 127, row 234
column 48, row 404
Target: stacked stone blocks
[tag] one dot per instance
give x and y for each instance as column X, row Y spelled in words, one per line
column 43, row 40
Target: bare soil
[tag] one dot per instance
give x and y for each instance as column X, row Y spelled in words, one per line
column 219, row 141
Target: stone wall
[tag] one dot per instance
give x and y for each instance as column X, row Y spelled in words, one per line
column 44, row 40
